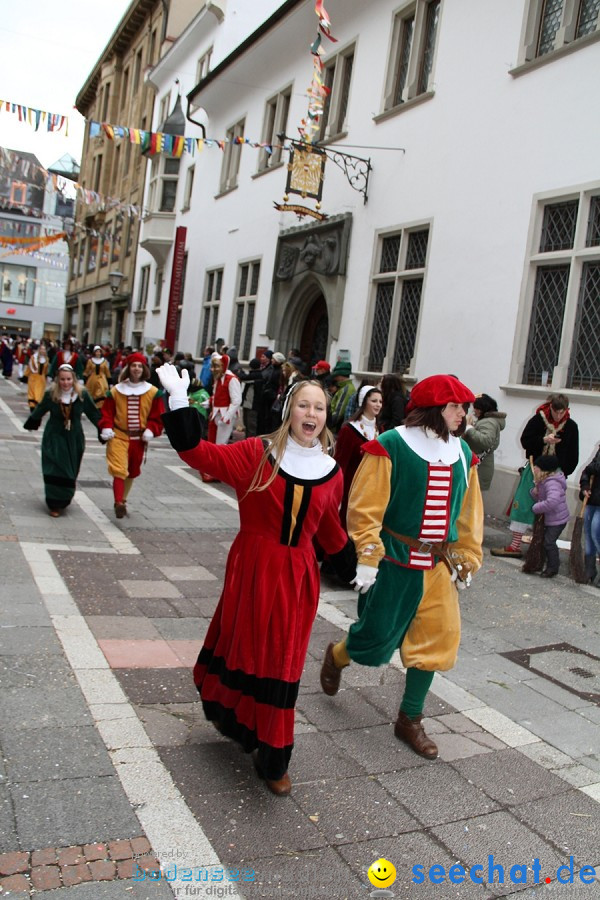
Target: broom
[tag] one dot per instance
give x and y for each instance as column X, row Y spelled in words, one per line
column 576, row 560
column 534, row 560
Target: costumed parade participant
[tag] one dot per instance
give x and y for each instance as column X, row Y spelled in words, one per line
column 67, row 356
column 36, row 372
column 63, row 442
column 96, row 376
column 550, row 431
column 289, row 489
column 415, row 515
column 224, row 403
column 354, row 434
column 130, row 420
column 589, row 487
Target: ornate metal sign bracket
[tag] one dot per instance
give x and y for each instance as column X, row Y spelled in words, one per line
column 357, row 169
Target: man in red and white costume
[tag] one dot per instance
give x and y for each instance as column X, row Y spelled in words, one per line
column 131, row 418
column 67, row 357
column 225, row 401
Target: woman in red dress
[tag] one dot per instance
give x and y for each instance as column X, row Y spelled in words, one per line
column 354, row 433
column 289, row 490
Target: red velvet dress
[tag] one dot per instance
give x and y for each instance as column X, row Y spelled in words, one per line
column 248, row 671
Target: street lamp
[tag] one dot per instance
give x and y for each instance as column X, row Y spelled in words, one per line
column 115, row 279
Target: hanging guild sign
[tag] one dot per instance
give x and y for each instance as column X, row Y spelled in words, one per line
column 305, row 177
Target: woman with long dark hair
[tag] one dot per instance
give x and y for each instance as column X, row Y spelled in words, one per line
column 394, row 396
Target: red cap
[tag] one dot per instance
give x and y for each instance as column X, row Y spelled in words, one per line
column 136, row 357
column 438, row 390
column 322, row 364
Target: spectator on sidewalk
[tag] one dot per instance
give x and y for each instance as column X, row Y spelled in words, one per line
column 344, row 389
column 289, row 489
column 252, row 382
column 589, row 486
column 550, row 500
column 483, row 436
column 395, row 398
column 63, row 442
column 550, row 431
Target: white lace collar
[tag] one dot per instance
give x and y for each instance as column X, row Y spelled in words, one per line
column 433, row 449
column 67, row 397
column 133, row 390
column 307, row 463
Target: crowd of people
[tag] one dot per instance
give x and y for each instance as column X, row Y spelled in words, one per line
column 382, row 484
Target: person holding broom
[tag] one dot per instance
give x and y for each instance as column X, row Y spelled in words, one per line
column 589, row 487
column 550, row 431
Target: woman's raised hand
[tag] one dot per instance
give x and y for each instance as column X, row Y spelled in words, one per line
column 175, row 384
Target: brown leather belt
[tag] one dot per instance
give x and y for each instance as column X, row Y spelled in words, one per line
column 437, row 549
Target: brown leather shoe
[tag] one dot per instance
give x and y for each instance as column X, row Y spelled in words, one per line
column 330, row 674
column 411, row 731
column 506, row 551
column 281, row 787
column 120, row 510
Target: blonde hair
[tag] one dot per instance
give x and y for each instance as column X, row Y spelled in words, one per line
column 277, row 440
column 55, row 390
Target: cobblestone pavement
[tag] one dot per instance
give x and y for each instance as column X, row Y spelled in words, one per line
column 108, row 769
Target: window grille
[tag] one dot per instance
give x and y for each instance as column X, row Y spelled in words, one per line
column 381, row 325
column 417, row 249
column 390, row 249
column 585, row 361
column 405, row 48
column 558, row 228
column 550, row 23
column 549, row 302
column 433, row 14
column 593, row 232
column 589, row 13
column 243, row 282
column 408, row 320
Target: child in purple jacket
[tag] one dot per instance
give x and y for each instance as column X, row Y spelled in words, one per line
column 550, row 496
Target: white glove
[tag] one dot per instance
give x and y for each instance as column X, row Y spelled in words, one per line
column 175, row 384
column 364, row 578
column 225, row 421
column 147, row 435
column 107, row 434
column 205, row 404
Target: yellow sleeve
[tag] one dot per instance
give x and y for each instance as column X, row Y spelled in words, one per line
column 470, row 526
column 367, row 502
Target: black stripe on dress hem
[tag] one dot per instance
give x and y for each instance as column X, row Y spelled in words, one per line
column 271, row 691
column 274, row 761
column 58, row 481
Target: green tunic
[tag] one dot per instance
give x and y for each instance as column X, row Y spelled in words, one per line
column 62, row 448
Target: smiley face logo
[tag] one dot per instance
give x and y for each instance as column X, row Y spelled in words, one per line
column 382, row 873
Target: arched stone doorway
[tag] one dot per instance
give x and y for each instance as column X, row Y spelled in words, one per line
column 315, row 332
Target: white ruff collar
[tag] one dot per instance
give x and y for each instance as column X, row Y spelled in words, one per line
column 133, row 390
column 426, row 444
column 308, row 463
column 67, row 397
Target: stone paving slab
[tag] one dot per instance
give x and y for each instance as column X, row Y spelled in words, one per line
column 510, row 778
column 571, row 821
column 55, row 753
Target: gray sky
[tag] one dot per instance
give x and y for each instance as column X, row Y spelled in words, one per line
column 47, row 51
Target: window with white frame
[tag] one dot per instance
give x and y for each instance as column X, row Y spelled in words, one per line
column 231, row 156
column 164, row 176
column 144, row 284
column 553, row 25
column 275, row 122
column 210, row 307
column 245, row 305
column 563, row 294
column 203, row 65
column 159, row 287
column 397, row 290
column 337, row 77
column 412, row 52
column 189, row 185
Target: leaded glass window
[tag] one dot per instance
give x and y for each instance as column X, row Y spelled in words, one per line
column 558, row 227
column 404, row 57
column 408, row 321
column 390, row 248
column 433, row 12
column 381, row 325
column 593, row 232
column 585, row 360
column 549, row 301
column 417, row 249
column 589, row 13
column 550, row 23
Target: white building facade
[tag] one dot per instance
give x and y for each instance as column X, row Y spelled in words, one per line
column 478, row 250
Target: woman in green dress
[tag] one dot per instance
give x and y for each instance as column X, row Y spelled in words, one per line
column 63, row 442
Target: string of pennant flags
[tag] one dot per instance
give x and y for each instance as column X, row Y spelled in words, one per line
column 172, row 144
column 36, row 117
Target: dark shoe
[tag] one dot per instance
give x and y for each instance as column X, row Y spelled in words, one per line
column 506, row 551
column 208, row 479
column 330, row 674
column 548, row 574
column 411, row 731
column 281, row 787
column 120, row 510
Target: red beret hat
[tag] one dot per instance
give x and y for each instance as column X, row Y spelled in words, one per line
column 322, row 364
column 438, row 390
column 136, row 357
